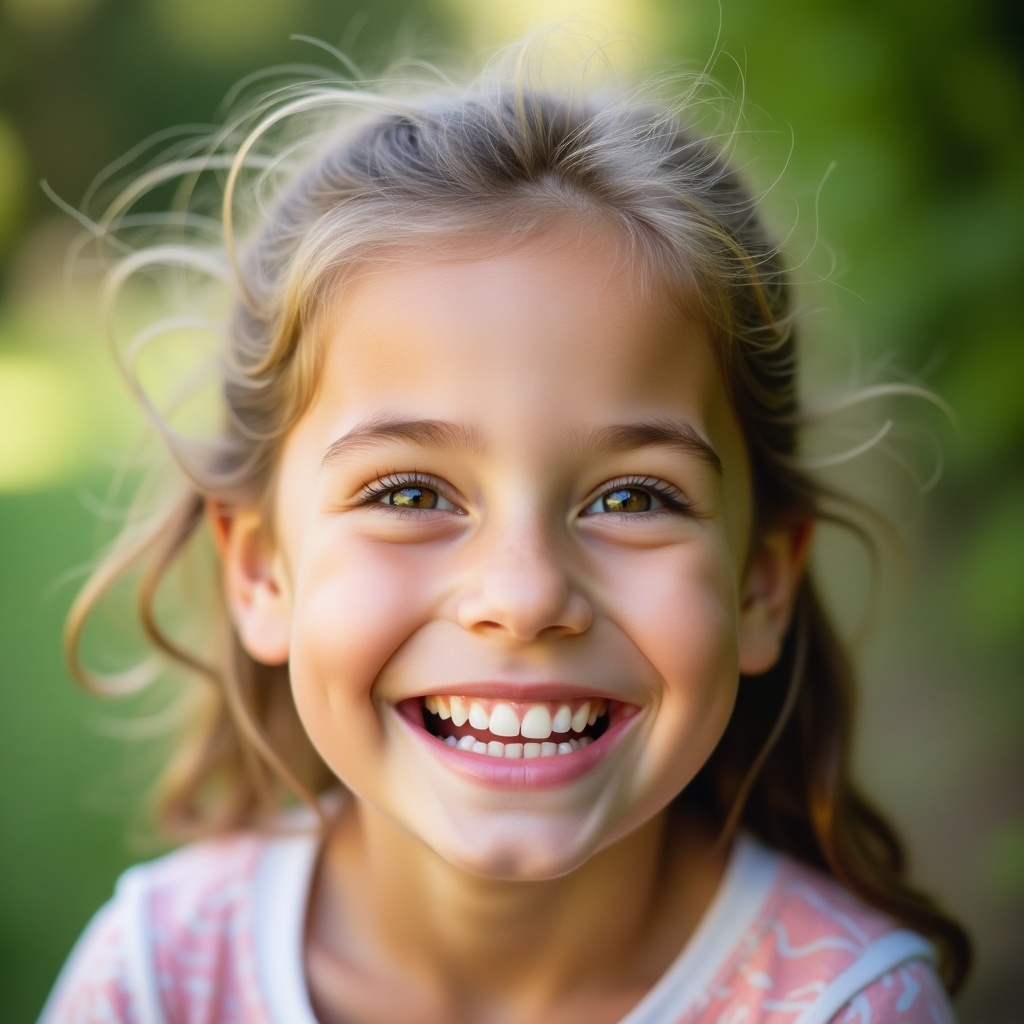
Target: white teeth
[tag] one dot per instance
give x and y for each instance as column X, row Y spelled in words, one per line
column 460, row 713
column 478, row 717
column 504, row 721
column 537, row 723
column 582, row 716
column 562, row 720
column 437, row 705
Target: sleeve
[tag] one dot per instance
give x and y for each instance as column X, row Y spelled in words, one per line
column 909, row 994
column 94, row 984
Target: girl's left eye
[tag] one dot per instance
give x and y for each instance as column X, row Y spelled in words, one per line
column 624, row 499
column 637, row 497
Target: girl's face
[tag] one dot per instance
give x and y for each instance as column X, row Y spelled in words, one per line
column 520, row 495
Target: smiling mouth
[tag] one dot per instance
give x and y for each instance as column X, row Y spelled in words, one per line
column 513, row 729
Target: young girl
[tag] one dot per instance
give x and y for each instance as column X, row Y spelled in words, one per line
column 512, row 522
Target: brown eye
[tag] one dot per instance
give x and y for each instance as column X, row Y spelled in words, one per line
column 408, row 493
column 412, row 497
column 626, row 499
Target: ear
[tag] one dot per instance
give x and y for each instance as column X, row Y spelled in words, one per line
column 255, row 585
column 773, row 576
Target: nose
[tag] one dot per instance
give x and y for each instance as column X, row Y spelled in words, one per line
column 520, row 590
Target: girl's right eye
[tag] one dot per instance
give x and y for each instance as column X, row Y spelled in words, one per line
column 415, row 497
column 407, row 495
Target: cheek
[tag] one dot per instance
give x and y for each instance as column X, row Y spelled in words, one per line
column 682, row 618
column 351, row 614
column 680, row 608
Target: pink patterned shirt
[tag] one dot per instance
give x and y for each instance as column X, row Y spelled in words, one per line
column 212, row 934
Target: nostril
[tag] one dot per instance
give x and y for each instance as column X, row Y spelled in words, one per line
column 523, row 595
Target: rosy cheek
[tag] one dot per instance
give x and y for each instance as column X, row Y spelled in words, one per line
column 351, row 614
column 678, row 609
column 689, row 637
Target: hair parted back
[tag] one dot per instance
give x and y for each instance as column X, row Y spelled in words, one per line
column 369, row 177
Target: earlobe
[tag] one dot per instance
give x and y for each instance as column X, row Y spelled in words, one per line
column 255, row 586
column 770, row 589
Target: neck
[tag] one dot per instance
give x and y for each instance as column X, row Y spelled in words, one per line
column 387, row 905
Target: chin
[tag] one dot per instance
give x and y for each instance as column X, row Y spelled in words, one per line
column 520, row 857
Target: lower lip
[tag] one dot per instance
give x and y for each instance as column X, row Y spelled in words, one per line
column 521, row 773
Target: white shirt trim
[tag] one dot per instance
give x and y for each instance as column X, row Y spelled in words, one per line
column 878, row 959
column 746, row 886
column 282, row 894
column 280, row 903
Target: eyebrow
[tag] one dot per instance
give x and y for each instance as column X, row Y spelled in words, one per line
column 382, row 430
column 379, row 431
column 663, row 433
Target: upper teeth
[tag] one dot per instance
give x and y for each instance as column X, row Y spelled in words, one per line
column 531, row 721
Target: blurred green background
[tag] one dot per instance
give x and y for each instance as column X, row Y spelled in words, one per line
column 906, row 118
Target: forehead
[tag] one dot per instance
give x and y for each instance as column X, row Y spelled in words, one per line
column 532, row 353
column 568, row 309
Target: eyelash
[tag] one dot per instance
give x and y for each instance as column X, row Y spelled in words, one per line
column 673, row 500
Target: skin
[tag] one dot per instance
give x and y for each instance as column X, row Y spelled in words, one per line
column 545, row 904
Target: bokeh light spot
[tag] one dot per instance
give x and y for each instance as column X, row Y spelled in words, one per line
column 40, row 423
column 617, row 24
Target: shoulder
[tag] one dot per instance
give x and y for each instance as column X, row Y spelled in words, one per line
column 185, row 894
column 908, row 994
column 175, row 940
column 813, row 953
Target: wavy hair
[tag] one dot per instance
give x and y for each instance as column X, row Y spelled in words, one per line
column 322, row 178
